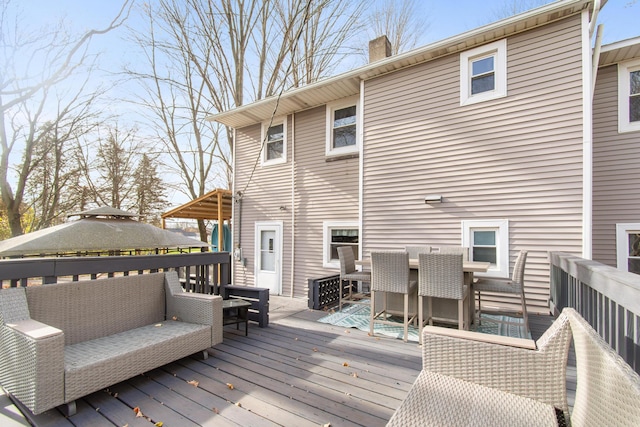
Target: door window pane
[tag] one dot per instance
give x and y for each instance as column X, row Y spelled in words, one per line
column 267, row 252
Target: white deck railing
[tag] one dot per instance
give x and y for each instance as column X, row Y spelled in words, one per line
column 609, row 299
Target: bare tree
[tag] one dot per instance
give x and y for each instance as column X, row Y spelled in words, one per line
column 206, row 56
column 399, row 21
column 32, row 65
column 53, row 178
column 119, row 171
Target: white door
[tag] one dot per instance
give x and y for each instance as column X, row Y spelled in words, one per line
column 269, row 256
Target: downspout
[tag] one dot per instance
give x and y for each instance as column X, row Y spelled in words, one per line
column 360, row 134
column 596, row 10
column 587, row 134
column 293, row 209
column 596, row 59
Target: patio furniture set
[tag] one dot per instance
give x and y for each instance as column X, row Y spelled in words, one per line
column 444, row 273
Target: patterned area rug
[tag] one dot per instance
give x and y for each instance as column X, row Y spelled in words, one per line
column 357, row 316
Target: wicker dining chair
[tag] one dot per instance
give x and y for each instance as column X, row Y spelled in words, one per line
column 390, row 274
column 515, row 285
column 464, row 250
column 349, row 274
column 441, row 276
column 413, row 251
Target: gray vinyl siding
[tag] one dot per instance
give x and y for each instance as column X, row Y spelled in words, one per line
column 323, row 191
column 267, row 190
column 615, row 166
column 518, row 157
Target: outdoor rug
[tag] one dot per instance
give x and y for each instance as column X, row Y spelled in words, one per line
column 357, row 316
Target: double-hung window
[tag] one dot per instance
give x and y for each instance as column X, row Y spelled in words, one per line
column 628, row 247
column 483, row 73
column 488, row 241
column 336, row 234
column 629, row 96
column 274, row 138
column 342, row 127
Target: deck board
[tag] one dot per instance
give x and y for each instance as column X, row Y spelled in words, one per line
column 291, row 373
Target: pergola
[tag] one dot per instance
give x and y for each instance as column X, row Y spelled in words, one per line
column 215, row 205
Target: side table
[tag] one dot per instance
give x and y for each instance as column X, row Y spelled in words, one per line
column 236, row 311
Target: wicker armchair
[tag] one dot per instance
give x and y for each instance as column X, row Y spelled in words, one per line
column 349, row 274
column 607, row 390
column 470, row 378
column 501, row 285
column 390, row 274
column 477, row 379
column 441, row 276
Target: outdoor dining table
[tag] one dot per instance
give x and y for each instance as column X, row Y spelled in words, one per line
column 442, row 308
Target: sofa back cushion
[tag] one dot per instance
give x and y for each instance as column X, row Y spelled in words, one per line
column 90, row 309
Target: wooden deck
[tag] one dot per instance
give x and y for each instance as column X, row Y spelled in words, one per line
column 296, row 372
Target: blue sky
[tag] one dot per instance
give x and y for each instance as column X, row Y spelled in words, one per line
column 446, row 17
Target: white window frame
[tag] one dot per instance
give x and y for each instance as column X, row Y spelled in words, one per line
column 327, row 226
column 624, row 87
column 501, row 227
column 330, row 109
column 499, row 51
column 265, row 126
column 622, row 243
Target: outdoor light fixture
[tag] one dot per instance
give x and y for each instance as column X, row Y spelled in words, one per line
column 433, row 198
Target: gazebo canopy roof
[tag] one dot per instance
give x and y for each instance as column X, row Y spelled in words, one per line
column 98, row 230
column 215, row 205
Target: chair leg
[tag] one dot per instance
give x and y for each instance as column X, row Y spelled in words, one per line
column 524, row 313
column 430, row 307
column 461, row 314
column 373, row 313
column 406, row 317
column 479, row 318
column 420, row 318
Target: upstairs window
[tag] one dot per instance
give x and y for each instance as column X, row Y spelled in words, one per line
column 275, row 143
column 342, row 127
column 629, row 96
column 483, row 73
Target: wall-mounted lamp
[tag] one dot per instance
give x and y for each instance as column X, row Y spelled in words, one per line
column 433, row 198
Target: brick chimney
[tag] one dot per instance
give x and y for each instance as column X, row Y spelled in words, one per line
column 379, row 48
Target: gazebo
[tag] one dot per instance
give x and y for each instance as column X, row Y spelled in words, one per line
column 99, row 230
column 215, row 205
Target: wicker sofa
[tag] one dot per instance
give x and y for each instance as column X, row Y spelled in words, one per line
column 62, row 341
column 467, row 380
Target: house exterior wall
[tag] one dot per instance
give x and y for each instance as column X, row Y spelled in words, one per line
column 615, row 159
column 262, row 195
column 322, row 190
column 518, row 157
